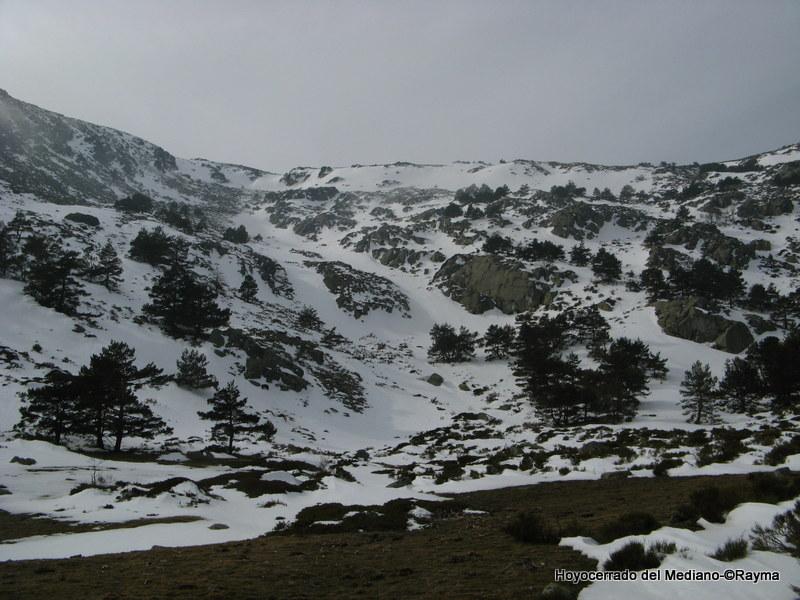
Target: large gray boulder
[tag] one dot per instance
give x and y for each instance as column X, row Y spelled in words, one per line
column 484, row 282
column 686, row 319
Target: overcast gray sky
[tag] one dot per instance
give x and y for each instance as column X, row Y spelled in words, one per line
column 280, row 84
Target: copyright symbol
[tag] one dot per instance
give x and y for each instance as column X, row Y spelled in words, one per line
column 729, row 574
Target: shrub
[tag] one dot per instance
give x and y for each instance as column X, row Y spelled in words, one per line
column 782, row 536
column 634, row 523
column 710, row 503
column 774, row 487
column 136, row 203
column 664, row 465
column 632, row 557
column 782, row 451
column 733, row 549
column 662, row 548
column 530, row 528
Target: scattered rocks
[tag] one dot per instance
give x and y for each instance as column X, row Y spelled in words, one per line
column 358, row 292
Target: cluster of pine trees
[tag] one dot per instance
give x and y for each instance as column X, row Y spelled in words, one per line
column 767, row 377
column 606, row 267
column 181, row 301
column 563, row 392
column 101, row 401
column 53, row 273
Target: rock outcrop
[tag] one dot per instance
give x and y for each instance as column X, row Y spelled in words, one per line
column 484, row 282
column 684, row 318
column 358, row 292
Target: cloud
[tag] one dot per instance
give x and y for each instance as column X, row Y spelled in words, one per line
column 277, row 84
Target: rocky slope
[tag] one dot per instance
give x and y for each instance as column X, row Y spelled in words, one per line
column 380, row 253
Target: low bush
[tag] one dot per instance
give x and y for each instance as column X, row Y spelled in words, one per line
column 634, row 523
column 710, row 503
column 782, row 536
column 632, row 557
column 663, row 466
column 782, row 451
column 530, row 528
column 731, row 550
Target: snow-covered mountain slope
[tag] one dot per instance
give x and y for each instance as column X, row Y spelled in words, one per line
column 381, row 253
column 70, row 161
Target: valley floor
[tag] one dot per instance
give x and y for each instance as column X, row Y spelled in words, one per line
column 465, row 556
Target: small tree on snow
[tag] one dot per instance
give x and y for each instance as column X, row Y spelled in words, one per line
column 699, row 391
column 193, row 371
column 249, row 288
column 229, row 415
column 498, row 341
column 107, row 270
column 449, row 346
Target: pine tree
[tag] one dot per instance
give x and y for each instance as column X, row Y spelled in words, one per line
column 699, row 392
column 106, row 388
column 580, row 255
column 249, row 288
column 8, row 250
column 184, row 303
column 498, row 341
column 742, row 386
column 652, row 280
column 229, row 415
column 308, row 318
column 268, row 430
column 605, row 266
column 108, row 268
column 51, row 279
column 538, row 365
column 49, row 410
column 449, row 346
column 192, row 371
column 625, row 367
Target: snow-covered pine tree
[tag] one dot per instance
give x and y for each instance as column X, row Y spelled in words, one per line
column 699, row 394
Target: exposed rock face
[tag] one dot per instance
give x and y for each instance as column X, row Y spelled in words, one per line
column 685, row 319
column 716, row 245
column 577, row 220
column 274, row 275
column 759, row 209
column 358, row 292
column 483, row 282
column 581, row 220
column 397, row 257
column 385, row 235
column 311, row 226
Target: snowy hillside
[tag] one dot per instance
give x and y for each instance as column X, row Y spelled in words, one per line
column 381, row 253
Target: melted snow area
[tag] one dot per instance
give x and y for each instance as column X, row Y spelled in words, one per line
column 392, row 434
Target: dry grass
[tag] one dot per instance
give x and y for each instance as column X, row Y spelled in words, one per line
column 461, row 557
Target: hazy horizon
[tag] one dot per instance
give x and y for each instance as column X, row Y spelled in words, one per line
column 277, row 85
